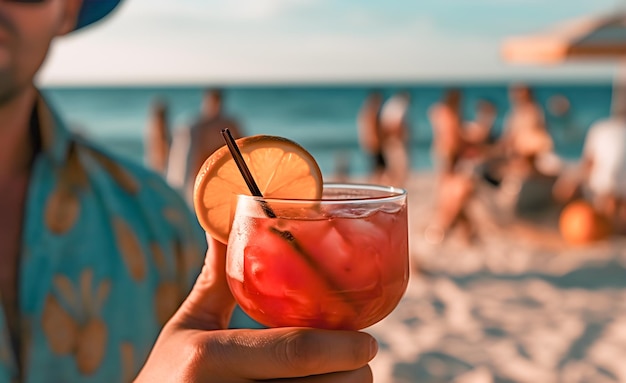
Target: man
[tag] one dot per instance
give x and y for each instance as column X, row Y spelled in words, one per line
column 95, row 253
column 525, row 138
column 369, row 132
column 194, row 144
column 604, row 166
column 158, row 137
column 394, row 138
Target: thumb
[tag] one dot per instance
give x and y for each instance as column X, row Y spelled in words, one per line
column 210, row 303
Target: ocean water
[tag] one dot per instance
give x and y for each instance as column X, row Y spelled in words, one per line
column 321, row 118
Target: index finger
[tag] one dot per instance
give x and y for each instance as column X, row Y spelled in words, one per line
column 288, row 352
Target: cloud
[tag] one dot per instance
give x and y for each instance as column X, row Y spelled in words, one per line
column 261, row 9
column 216, row 10
column 280, row 40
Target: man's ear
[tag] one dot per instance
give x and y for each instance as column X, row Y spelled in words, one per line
column 70, row 16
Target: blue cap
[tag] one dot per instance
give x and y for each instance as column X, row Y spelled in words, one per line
column 94, row 10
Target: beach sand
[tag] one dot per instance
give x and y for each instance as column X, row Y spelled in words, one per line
column 520, row 306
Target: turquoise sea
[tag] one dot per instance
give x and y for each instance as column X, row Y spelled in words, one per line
column 321, row 118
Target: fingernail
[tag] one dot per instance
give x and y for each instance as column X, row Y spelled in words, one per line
column 373, row 348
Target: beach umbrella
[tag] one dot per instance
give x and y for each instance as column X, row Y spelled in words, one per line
column 592, row 38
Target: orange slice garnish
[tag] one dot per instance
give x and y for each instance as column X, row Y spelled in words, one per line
column 280, row 167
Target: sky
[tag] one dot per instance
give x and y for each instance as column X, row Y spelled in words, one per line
column 309, row 41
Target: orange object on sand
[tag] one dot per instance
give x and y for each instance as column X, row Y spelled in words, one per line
column 580, row 224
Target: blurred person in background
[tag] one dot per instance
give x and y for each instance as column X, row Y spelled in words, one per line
column 446, row 120
column 193, row 144
column 481, row 146
column 394, row 139
column 594, row 192
column 530, row 166
column 341, row 172
column 560, row 108
column 455, row 183
column 525, row 138
column 98, row 253
column 604, row 167
column 477, row 135
column 559, row 105
column 369, row 134
column 158, row 137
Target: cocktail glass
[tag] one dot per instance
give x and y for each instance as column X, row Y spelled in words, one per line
column 340, row 262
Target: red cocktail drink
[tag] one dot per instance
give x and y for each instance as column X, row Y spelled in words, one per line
column 336, row 263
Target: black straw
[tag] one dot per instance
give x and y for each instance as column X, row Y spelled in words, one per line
column 245, row 171
column 241, row 163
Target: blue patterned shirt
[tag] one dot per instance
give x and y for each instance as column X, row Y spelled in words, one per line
column 108, row 253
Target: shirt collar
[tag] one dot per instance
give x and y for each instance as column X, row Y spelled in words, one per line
column 54, row 137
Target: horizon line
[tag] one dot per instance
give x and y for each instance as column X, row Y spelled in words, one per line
column 538, row 80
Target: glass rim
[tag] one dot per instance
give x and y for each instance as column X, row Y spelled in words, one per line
column 393, row 194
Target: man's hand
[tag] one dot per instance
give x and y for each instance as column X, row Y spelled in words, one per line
column 195, row 347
